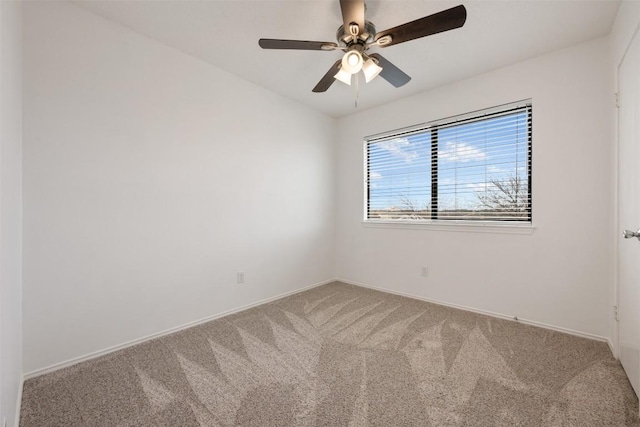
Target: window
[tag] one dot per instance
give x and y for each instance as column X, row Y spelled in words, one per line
column 468, row 168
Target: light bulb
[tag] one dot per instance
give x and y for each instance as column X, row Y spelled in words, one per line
column 352, row 62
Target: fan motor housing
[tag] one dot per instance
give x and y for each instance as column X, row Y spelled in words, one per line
column 365, row 36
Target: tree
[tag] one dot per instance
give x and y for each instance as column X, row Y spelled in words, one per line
column 410, row 209
column 507, row 197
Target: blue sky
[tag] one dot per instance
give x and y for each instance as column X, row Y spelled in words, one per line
column 470, row 156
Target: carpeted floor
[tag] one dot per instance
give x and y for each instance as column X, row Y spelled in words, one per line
column 340, row 355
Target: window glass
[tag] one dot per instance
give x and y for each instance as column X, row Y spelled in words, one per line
column 472, row 169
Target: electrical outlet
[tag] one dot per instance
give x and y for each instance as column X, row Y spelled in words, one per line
column 240, row 276
column 425, row 271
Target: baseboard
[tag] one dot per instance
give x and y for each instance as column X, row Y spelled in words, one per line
column 127, row 344
column 610, row 343
column 484, row 312
column 118, row 347
column 16, row 422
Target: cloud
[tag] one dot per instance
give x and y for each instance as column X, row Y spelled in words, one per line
column 375, row 175
column 446, row 181
column 399, row 147
column 479, row 186
column 461, row 152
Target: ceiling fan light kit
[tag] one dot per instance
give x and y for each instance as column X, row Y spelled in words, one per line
column 357, row 35
column 370, row 69
column 352, row 62
column 343, row 76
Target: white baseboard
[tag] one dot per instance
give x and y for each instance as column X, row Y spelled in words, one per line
column 112, row 349
column 612, row 348
column 484, row 312
column 16, row 422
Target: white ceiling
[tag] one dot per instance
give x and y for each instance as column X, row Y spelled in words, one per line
column 226, row 33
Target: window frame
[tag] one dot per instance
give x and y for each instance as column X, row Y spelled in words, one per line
column 454, row 224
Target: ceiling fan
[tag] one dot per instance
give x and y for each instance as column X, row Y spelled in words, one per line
column 357, row 35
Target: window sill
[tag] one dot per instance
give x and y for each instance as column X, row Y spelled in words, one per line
column 458, row 226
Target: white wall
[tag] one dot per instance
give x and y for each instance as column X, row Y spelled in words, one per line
column 130, row 230
column 562, row 273
column 625, row 25
column 150, row 179
column 10, row 209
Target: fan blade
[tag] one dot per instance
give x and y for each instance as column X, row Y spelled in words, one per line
column 352, row 12
column 438, row 22
column 296, row 44
column 390, row 72
column 328, row 79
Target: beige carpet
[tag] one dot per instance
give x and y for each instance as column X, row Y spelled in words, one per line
column 340, row 355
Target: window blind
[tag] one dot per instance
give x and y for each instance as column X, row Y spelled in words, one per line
column 476, row 168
